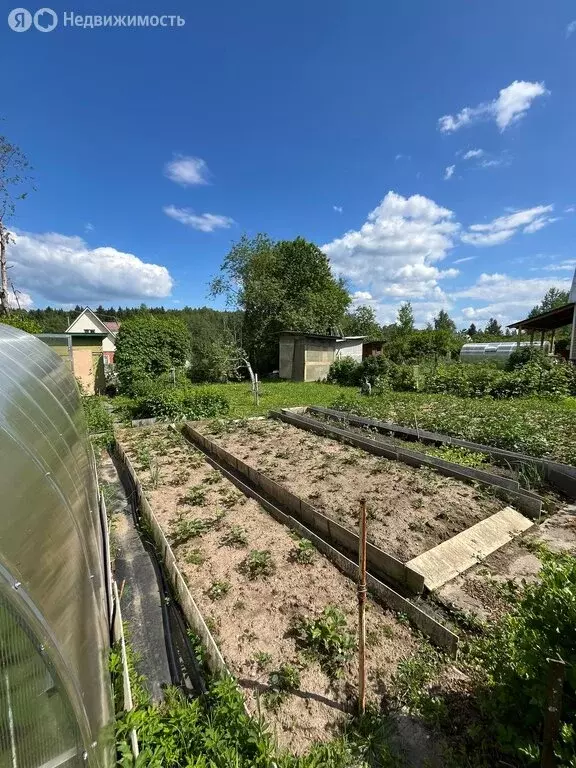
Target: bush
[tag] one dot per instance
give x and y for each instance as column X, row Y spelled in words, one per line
column 524, row 355
column 512, row 664
column 23, row 321
column 178, row 404
column 98, row 419
column 345, row 372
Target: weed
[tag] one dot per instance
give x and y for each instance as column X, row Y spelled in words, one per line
column 235, row 537
column 179, row 478
column 182, row 529
column 411, row 685
column 328, row 638
column 239, row 605
column 282, row 681
column 417, row 525
column 154, row 473
column 229, row 497
column 262, row 660
column 218, row 589
column 258, row 563
column 195, row 557
column 303, row 553
column 195, row 496
column 459, row 455
column 212, row 478
column 143, row 457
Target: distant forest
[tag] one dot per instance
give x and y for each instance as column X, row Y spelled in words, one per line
column 202, row 321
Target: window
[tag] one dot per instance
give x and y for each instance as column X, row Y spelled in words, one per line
column 89, row 330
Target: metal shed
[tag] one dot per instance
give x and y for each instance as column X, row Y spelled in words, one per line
column 55, row 696
column 308, row 356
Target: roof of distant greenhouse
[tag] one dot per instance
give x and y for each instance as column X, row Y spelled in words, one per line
column 547, row 321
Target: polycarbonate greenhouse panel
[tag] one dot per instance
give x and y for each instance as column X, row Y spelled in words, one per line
column 54, row 639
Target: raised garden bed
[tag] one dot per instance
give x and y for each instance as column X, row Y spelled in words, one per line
column 258, row 588
column 410, row 510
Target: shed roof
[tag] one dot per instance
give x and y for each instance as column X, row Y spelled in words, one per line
column 321, row 336
column 547, row 321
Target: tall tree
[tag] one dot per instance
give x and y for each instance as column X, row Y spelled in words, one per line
column 493, row 328
column 362, row 322
column 286, row 285
column 14, row 177
column 472, row 330
column 553, row 298
column 443, row 322
column 405, row 320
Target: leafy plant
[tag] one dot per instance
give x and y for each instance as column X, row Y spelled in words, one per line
column 411, row 685
column 258, row 563
column 195, row 496
column 179, row 478
column 195, row 557
column 459, row 455
column 262, row 659
column 213, row 478
column 183, row 529
column 303, row 553
column 235, row 537
column 218, row 589
column 282, row 681
column 328, row 638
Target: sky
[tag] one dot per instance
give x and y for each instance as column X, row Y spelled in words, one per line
column 427, row 148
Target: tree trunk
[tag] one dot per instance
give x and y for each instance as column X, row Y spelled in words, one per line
column 4, row 308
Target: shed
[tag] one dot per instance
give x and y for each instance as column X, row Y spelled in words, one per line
column 83, row 354
column 308, row 356
column 549, row 322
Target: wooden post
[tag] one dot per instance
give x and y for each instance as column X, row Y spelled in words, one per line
column 552, row 341
column 556, row 673
column 362, row 610
column 542, row 334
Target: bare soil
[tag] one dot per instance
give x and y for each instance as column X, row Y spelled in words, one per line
column 410, row 510
column 256, row 616
column 484, row 590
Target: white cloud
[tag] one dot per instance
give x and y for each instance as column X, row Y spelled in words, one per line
column 571, row 28
column 472, row 153
column 570, row 209
column 510, row 106
column 187, row 171
column 338, row 208
column 568, row 265
column 64, row 269
column 205, row 222
column 20, row 300
column 361, row 296
column 88, row 227
column 510, row 298
column 504, row 227
column 400, row 156
column 462, row 261
column 395, row 250
column 449, row 172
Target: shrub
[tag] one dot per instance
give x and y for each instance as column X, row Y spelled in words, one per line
column 524, row 355
column 177, row 404
column 98, row 419
column 345, row 372
column 23, row 321
column 258, row 563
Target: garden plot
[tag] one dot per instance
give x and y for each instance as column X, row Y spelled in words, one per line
column 283, row 616
column 410, row 510
column 528, row 476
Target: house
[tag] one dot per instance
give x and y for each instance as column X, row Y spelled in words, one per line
column 308, row 356
column 83, row 354
column 89, row 322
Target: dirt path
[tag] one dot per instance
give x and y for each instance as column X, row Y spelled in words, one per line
column 410, row 510
column 253, row 618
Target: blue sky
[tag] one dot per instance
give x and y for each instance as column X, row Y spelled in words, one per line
column 381, row 131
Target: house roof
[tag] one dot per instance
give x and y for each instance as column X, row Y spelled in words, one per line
column 73, row 334
column 107, row 327
column 321, row 336
column 547, row 321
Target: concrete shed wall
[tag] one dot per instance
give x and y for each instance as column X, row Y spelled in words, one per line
column 319, row 355
column 350, row 348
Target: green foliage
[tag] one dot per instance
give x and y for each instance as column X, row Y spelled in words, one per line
column 262, row 660
column 98, row 419
column 195, row 496
column 183, row 529
column 303, row 553
column 405, row 321
column 345, row 372
column 362, row 322
column 286, row 285
column 328, row 638
column 553, row 299
column 524, row 355
column 22, row 320
column 235, row 537
column 443, row 322
column 216, row 359
column 281, row 682
column 178, row 404
column 218, row 589
column 411, row 685
column 512, row 667
column 258, row 563
column 535, row 426
column 459, row 455
column 147, row 346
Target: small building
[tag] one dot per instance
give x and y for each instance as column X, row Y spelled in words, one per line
column 83, row 354
column 372, row 348
column 308, row 356
column 550, row 322
column 89, row 322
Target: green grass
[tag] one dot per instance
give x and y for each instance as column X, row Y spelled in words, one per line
column 275, row 394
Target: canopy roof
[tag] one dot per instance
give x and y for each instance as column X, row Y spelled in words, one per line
column 547, row 321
